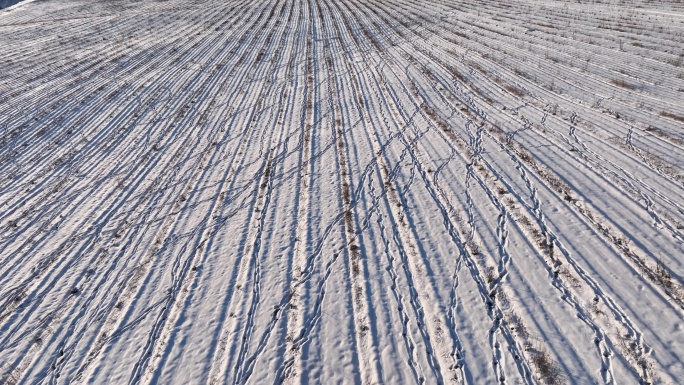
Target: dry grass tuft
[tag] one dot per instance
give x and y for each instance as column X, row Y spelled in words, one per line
column 549, row 372
column 670, row 115
column 624, row 84
column 515, row 90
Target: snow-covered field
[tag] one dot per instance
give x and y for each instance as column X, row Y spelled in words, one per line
column 353, row 191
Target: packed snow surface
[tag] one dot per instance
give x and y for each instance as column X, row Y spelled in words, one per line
column 352, row 191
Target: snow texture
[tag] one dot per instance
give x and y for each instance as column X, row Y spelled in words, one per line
column 307, row 191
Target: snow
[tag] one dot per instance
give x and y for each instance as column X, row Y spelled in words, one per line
column 8, row 3
column 301, row 191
